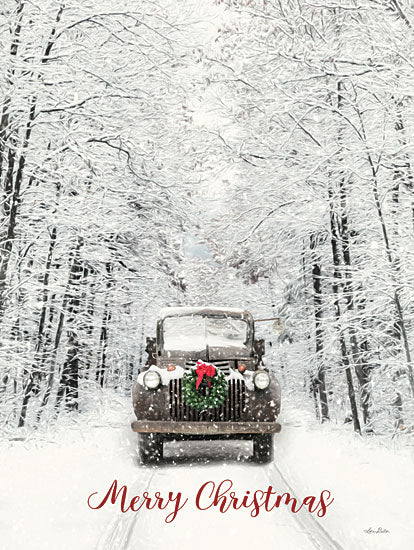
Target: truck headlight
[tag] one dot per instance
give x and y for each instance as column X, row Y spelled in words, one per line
column 152, row 379
column 261, row 380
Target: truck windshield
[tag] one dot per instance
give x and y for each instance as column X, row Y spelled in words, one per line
column 194, row 333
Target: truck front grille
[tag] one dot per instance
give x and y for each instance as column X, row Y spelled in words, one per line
column 231, row 410
column 224, row 366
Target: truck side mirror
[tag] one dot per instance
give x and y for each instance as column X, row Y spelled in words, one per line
column 259, row 348
column 278, row 326
column 151, row 349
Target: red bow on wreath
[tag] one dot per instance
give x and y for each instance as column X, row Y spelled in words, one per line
column 204, row 369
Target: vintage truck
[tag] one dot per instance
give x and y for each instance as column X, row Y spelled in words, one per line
column 191, row 344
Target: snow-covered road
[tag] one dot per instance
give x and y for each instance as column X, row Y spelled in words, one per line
column 45, row 487
column 211, row 528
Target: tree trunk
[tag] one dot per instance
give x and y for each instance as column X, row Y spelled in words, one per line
column 320, row 380
column 391, row 260
column 69, row 379
column 5, row 114
column 35, row 374
column 342, row 256
column 13, row 186
column 103, row 340
column 336, row 256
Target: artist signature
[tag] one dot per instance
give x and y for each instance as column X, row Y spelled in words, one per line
column 377, row 531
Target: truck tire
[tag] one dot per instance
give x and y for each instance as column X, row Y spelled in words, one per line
column 150, row 447
column 263, row 448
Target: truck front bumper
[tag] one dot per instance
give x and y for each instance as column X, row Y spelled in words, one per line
column 205, row 428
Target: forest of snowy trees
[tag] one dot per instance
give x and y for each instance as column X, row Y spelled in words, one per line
column 275, row 134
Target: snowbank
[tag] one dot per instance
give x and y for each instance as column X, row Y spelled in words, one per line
column 372, row 484
column 46, row 482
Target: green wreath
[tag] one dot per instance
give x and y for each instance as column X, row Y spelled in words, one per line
column 210, row 398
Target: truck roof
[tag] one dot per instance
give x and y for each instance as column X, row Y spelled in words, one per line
column 213, row 310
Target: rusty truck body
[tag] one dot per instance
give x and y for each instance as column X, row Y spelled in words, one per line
column 225, row 338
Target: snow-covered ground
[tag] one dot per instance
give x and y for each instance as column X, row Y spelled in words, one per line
column 46, row 481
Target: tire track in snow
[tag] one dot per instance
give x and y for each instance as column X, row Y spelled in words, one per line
column 118, row 533
column 316, row 533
